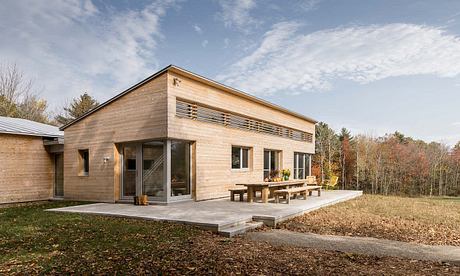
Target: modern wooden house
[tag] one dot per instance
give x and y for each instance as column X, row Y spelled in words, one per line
column 179, row 136
column 31, row 166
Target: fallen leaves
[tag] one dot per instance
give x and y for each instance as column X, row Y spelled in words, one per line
column 393, row 218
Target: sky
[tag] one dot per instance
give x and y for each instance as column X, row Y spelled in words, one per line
column 371, row 66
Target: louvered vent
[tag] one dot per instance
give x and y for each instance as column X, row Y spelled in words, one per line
column 225, row 118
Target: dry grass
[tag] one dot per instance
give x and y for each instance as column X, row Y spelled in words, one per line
column 434, row 221
column 36, row 242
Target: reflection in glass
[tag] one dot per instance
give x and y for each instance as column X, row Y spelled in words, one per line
column 129, row 170
column 152, row 169
column 180, row 168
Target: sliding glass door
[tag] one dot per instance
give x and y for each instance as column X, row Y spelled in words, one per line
column 180, row 169
column 158, row 169
column 153, row 178
column 271, row 163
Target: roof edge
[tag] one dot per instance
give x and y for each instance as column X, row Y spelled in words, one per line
column 198, row 77
column 241, row 93
column 116, row 97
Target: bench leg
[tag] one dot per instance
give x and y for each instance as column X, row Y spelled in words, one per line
column 319, row 192
column 277, row 198
column 232, row 196
column 288, row 198
column 309, row 192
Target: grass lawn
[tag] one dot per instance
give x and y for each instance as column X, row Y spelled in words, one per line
column 33, row 241
column 434, row 221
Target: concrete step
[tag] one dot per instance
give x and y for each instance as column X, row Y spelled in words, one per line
column 240, row 228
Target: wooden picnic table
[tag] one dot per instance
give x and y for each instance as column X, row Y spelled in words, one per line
column 265, row 187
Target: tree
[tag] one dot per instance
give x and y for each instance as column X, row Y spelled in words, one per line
column 77, row 108
column 17, row 98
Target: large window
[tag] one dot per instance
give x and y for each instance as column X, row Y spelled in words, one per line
column 83, row 162
column 301, row 165
column 240, row 158
column 271, row 163
column 180, row 168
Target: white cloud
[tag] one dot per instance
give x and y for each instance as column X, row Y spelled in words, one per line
column 197, row 29
column 236, row 14
column 287, row 60
column 71, row 46
column 456, row 123
column 204, row 43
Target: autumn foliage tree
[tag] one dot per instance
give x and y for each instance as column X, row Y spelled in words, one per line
column 393, row 164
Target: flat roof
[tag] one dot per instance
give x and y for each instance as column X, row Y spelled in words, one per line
column 181, row 71
column 19, row 126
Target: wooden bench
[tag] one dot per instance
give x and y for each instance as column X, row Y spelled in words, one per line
column 313, row 188
column 287, row 193
column 239, row 191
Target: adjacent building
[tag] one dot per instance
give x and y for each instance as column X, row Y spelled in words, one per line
column 31, row 166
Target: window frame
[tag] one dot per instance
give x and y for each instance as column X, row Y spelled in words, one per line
column 306, row 164
column 83, row 163
column 241, row 150
column 278, row 160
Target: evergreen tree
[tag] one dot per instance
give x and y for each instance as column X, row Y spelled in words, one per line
column 77, row 108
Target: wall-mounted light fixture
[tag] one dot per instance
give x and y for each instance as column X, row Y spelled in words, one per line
column 176, row 81
column 106, row 159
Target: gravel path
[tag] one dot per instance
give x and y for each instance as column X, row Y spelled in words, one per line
column 360, row 245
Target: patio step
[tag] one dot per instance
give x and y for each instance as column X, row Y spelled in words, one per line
column 240, row 229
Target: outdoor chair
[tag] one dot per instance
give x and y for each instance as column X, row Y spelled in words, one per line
column 331, row 183
column 311, row 180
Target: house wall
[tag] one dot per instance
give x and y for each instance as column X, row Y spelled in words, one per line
column 138, row 115
column 26, row 169
column 213, row 142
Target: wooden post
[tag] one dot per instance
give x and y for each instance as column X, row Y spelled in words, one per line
column 265, row 192
column 250, row 194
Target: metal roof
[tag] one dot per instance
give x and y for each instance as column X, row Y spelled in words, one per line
column 27, row 127
column 182, row 71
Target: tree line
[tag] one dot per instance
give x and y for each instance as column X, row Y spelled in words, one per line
column 19, row 99
column 390, row 165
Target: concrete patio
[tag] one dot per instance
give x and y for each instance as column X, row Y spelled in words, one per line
column 227, row 217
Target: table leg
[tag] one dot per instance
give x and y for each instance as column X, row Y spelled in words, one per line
column 250, row 194
column 265, row 192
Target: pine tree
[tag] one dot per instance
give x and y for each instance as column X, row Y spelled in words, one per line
column 77, row 108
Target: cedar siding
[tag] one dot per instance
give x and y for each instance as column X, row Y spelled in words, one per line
column 148, row 111
column 26, row 170
column 139, row 115
column 213, row 142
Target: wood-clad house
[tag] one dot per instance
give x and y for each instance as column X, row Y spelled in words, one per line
column 31, row 166
column 180, row 136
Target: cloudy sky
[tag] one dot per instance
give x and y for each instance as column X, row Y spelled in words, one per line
column 371, row 66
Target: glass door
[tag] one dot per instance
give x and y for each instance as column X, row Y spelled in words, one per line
column 271, row 164
column 180, row 169
column 129, row 171
column 153, row 161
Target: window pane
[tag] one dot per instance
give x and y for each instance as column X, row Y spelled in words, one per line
column 273, row 160
column 180, row 168
column 266, row 160
column 86, row 161
column 153, row 183
column 301, row 175
column 236, row 158
column 307, row 164
column 129, row 171
column 245, row 158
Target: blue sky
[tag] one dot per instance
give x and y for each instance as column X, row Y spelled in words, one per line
column 371, row 66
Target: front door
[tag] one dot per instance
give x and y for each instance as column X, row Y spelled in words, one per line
column 130, row 165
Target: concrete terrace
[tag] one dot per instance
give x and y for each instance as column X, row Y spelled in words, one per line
column 224, row 216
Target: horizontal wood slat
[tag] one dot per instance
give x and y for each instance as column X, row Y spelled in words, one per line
column 210, row 115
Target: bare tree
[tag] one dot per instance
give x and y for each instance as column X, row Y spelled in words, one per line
column 17, row 98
